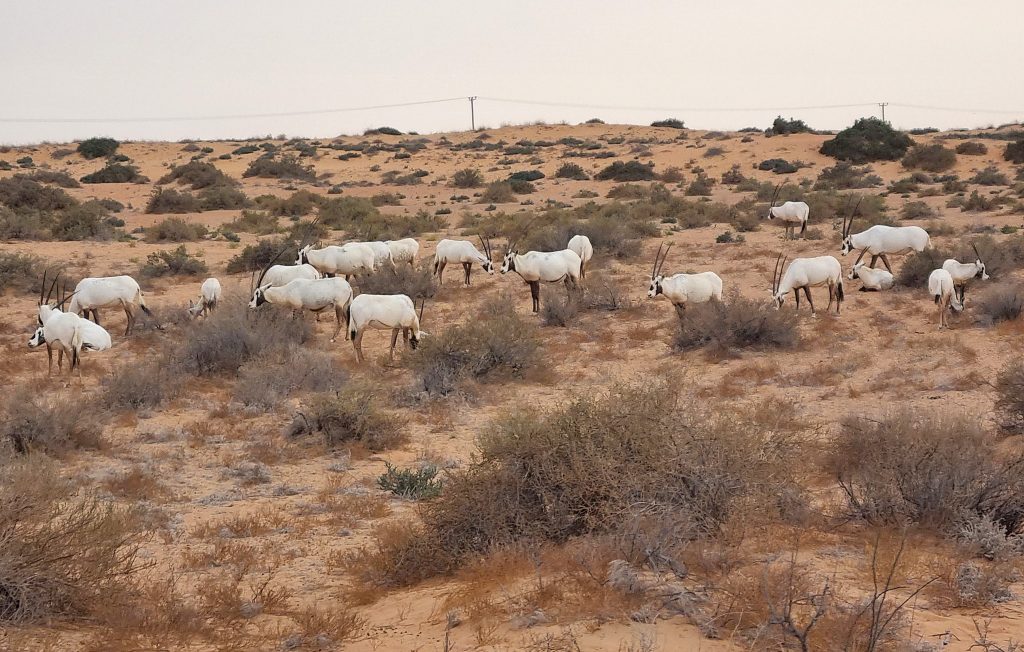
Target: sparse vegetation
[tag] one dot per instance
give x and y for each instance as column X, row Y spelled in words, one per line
column 571, row 171
column 115, row 173
column 626, row 171
column 285, row 167
column 468, row 178
column 177, row 262
column 97, row 147
column 354, row 416
column 930, row 158
column 671, row 123
column 869, row 139
column 734, row 324
column 175, row 229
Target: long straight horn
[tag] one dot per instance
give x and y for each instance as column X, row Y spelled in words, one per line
column 268, row 266
column 976, row 253
column 423, row 302
column 664, row 257
column 654, row 270
column 42, row 288
column 775, row 195
column 775, row 275
column 52, row 285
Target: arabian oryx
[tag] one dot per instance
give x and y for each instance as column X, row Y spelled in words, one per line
column 462, row 252
column 381, row 253
column 384, row 311
column 881, row 240
column 790, row 213
column 581, row 245
column 350, row 260
column 404, row 251
column 942, row 289
column 805, row 273
column 67, row 331
column 683, row 289
column 301, row 294
column 872, row 280
column 279, row 275
column 108, row 291
column 535, row 267
column 209, row 297
column 963, row 272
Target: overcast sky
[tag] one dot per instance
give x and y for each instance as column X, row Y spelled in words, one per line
column 104, row 59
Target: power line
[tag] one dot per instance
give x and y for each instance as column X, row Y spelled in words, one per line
column 954, row 109
column 619, row 107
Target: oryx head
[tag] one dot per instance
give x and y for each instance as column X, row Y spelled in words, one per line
column 38, row 339
column 775, row 196
column 509, row 262
column 847, row 245
column 303, row 258
column 417, row 334
column 982, row 274
column 259, row 296
column 778, row 296
column 656, row 275
column 194, row 308
column 855, row 272
column 488, row 253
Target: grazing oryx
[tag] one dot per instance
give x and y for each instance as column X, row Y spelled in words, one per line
column 68, row 331
column 683, row 289
column 384, row 311
column 941, row 287
column 279, row 275
column 535, row 267
column 381, row 253
column 790, row 213
column 581, row 245
column 108, row 291
column 462, row 251
column 403, row 251
column 805, row 273
column 880, row 240
column 963, row 272
column 209, row 297
column 314, row 295
column 352, row 259
column 873, row 280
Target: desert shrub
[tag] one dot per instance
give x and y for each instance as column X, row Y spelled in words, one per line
column 712, row 152
column 299, row 203
column 346, row 212
column 671, row 123
column 559, row 311
column 571, row 171
column 733, row 176
column 1014, row 152
column 626, row 171
column 22, row 193
column 526, row 175
column 382, row 131
column 177, row 262
column 386, row 199
column 19, row 270
column 412, row 484
column 1002, row 301
column 781, row 126
column 1010, row 394
column 700, row 186
column 111, row 205
column 115, row 173
column 258, row 222
column 417, row 283
column 25, row 225
column 972, row 148
column 916, row 210
column 521, row 187
column 778, row 166
column 727, row 237
column 395, row 177
column 256, row 256
column 286, row 167
column 245, row 149
column 986, row 537
column 61, row 152
column 869, row 139
column 990, row 176
column 52, row 424
column 172, row 201
column 929, row 469
column 845, row 176
column 627, row 191
column 175, row 229
column 97, row 147
column 197, row 175
column 931, row 158
column 498, row 192
column 735, row 323
column 142, row 385
column 918, row 265
column 268, row 380
column 477, row 349
column 354, row 416
column 218, row 198
column 672, row 175
column 467, row 178
column 85, row 221
column 904, row 186
column 55, row 177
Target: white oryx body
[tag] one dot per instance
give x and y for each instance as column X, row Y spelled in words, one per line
column 536, row 267
column 581, row 245
column 72, row 334
column 942, row 289
column 209, row 296
column 872, row 279
column 314, row 295
column 461, row 252
column 683, row 289
column 279, row 275
column 881, row 240
column 404, row 250
column 792, row 214
column 805, row 273
column 396, row 312
column 352, row 259
column 105, row 292
column 964, row 272
column 381, row 253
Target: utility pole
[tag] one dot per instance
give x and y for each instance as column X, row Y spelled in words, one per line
column 472, row 112
column 883, row 105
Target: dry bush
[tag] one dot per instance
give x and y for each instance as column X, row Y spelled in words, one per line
column 918, row 265
column 136, row 483
column 53, row 424
column 972, row 148
column 269, row 379
column 927, row 469
column 736, row 323
column 18, row 270
column 498, row 192
column 63, row 555
column 979, row 584
column 141, row 385
column 258, row 222
column 354, row 416
column 287, row 167
column 467, row 178
column 999, row 302
column 175, row 229
column 559, row 311
column 414, row 282
column 477, row 350
column 323, row 628
column 197, row 175
column 176, row 262
column 931, row 158
column 986, row 538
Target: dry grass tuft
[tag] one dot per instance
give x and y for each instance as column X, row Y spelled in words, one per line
column 54, row 424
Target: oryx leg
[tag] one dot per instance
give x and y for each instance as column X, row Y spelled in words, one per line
column 885, row 260
column 60, row 360
column 680, row 310
column 439, row 270
column 831, row 296
column 130, row 314
column 807, row 293
column 874, row 258
column 862, row 252
column 49, row 360
column 357, row 345
column 394, row 341
column 339, row 312
column 963, row 292
column 465, row 268
column 796, row 293
column 583, row 273
column 535, row 294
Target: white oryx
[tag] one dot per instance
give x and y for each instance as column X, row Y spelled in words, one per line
column 963, row 272
column 315, row 295
column 105, row 292
column 209, row 297
column 683, row 289
column 943, row 291
column 404, row 251
column 581, row 245
column 536, row 267
column 381, row 253
column 352, row 259
column 790, row 213
column 279, row 275
column 881, row 240
column 384, row 311
column 68, row 331
column 805, row 273
column 462, row 252
column 873, row 280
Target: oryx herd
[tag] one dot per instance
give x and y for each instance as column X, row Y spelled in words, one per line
column 314, row 283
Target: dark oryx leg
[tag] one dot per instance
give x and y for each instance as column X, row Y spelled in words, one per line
column 49, row 360
column 394, row 341
column 129, row 313
column 873, row 259
column 886, row 261
column 466, row 267
column 831, row 295
column 60, row 360
column 535, row 294
column 680, row 310
column 796, row 293
column 357, row 344
column 862, row 252
column 807, row 293
column 339, row 312
column 405, row 336
column 439, row 270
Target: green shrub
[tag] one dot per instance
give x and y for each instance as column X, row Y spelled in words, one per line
column 22, row 193
column 778, row 166
column 521, row 187
column 412, row 484
column 168, row 200
column 97, row 147
column 1014, row 152
column 671, row 123
column 468, row 178
column 216, row 198
column 571, row 171
column 526, row 175
column 990, row 176
column 300, row 203
column 972, row 148
column 258, row 222
column 346, row 212
column 86, row 221
column 869, row 139
column 255, row 257
column 175, row 229
column 781, row 126
column 57, row 178
column 700, row 186
column 932, row 158
column 177, row 262
column 626, row 171
column 197, row 175
column 498, row 192
column 286, row 167
column 115, row 173
column 845, row 176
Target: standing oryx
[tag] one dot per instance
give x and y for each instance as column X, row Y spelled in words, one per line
column 963, row 272
column 105, row 292
column 941, row 287
column 209, row 297
column 384, row 311
column 872, row 280
column 805, row 273
column 284, row 274
column 67, row 331
column 301, row 294
column 790, row 213
column 381, row 253
column 535, row 267
column 683, row 289
column 463, row 252
column 403, row 251
column 352, row 259
column 880, row 240
column 581, row 245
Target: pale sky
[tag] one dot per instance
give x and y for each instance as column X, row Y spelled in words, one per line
column 122, row 59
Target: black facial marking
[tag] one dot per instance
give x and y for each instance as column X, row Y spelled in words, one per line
column 657, row 289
